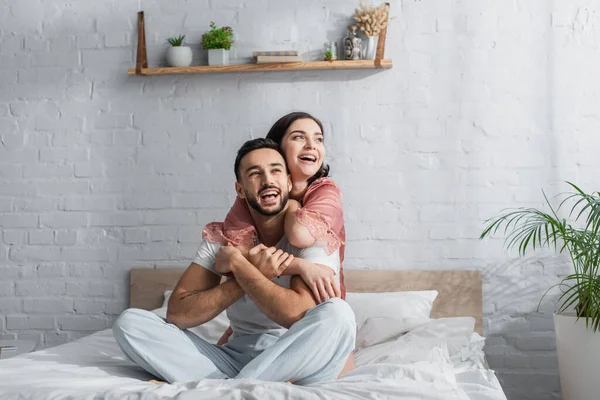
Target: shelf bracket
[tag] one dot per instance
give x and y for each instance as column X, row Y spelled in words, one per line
column 142, row 59
column 381, row 43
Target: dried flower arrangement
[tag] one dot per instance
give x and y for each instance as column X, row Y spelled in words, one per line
column 370, row 19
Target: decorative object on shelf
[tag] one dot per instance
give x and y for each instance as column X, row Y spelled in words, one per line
column 178, row 55
column 577, row 321
column 279, row 53
column 277, row 59
column 371, row 21
column 369, row 48
column 330, row 53
column 352, row 44
column 218, row 41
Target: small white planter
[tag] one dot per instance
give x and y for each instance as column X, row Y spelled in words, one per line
column 218, row 57
column 179, row 56
column 578, row 350
column 370, row 47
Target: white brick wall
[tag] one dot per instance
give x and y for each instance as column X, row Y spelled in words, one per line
column 487, row 103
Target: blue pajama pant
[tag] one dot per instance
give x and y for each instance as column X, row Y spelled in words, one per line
column 313, row 350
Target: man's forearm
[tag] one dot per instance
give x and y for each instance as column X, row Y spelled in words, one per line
column 284, row 306
column 187, row 309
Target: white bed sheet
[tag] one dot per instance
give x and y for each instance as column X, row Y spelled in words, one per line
column 94, row 368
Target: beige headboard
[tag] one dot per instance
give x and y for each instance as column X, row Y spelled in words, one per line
column 460, row 292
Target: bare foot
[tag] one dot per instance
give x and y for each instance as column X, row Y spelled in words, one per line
column 157, row 382
column 290, row 382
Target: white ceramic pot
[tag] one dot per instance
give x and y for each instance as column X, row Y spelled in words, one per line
column 218, row 57
column 578, row 350
column 179, row 56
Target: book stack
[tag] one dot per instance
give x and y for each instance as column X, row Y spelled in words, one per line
column 286, row 56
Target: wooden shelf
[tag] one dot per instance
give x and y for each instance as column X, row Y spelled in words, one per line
column 141, row 66
column 296, row 66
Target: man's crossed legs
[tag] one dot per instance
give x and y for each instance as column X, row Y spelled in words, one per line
column 314, row 349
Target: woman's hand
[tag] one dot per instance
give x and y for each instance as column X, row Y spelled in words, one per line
column 321, row 280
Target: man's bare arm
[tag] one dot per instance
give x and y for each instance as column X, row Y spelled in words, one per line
column 284, row 306
column 198, row 297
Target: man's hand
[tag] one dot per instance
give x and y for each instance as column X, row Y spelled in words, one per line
column 225, row 257
column 271, row 262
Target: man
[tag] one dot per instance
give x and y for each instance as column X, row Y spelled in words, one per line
column 279, row 333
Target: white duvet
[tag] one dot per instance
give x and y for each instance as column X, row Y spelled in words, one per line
column 436, row 360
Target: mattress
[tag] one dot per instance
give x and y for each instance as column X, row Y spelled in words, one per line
column 421, row 364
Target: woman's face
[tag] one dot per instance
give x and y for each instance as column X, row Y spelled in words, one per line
column 303, row 147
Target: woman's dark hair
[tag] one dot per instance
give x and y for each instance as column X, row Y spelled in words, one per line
column 277, row 132
column 255, row 144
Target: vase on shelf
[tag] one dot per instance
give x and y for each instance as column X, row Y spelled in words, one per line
column 330, row 53
column 352, row 44
column 370, row 47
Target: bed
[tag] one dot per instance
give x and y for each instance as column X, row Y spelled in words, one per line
column 399, row 355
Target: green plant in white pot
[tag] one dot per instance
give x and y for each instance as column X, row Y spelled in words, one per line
column 578, row 318
column 178, row 55
column 218, row 41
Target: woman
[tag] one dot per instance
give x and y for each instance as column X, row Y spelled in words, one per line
column 314, row 215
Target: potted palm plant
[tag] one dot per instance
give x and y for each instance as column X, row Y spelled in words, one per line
column 178, row 55
column 218, row 41
column 578, row 318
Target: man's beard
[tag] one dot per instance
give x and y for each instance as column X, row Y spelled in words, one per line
column 253, row 202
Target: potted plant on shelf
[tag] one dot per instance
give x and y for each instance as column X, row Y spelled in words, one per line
column 218, row 41
column 178, row 55
column 578, row 318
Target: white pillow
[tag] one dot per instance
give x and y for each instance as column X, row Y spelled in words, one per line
column 398, row 305
column 388, row 314
column 378, row 330
column 210, row 331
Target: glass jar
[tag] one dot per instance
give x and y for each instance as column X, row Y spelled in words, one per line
column 352, row 44
column 330, row 51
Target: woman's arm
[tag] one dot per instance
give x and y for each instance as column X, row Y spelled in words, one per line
column 319, row 219
column 297, row 234
column 319, row 278
column 238, row 227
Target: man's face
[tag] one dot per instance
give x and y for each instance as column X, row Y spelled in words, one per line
column 264, row 181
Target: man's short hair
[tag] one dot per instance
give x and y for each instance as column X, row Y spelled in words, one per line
column 256, row 144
